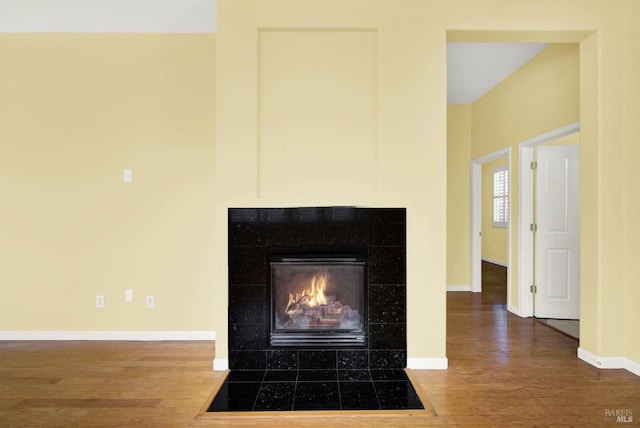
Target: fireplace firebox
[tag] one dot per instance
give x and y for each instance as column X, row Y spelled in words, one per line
column 317, row 301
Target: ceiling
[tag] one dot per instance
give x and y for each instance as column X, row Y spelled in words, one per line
column 475, row 68
column 472, row 68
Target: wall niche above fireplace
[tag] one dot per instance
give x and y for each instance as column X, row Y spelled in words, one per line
column 354, row 257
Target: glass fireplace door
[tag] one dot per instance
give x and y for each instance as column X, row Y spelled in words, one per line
column 317, row 301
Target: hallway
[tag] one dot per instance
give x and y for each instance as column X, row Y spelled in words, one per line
column 510, row 371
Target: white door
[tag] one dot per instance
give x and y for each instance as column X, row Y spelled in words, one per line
column 557, row 247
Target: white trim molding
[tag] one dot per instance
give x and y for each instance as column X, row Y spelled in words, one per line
column 458, row 288
column 220, row 364
column 609, row 362
column 428, row 363
column 514, row 310
column 476, row 219
column 108, row 335
column 632, row 366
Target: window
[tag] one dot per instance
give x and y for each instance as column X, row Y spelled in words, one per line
column 500, row 196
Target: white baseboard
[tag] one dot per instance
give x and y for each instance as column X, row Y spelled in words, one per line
column 108, row 335
column 220, row 364
column 494, row 261
column 609, row 362
column 428, row 363
column 514, row 310
column 632, row 366
column 458, row 288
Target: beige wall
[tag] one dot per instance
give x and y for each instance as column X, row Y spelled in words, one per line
column 629, row 298
column 494, row 239
column 79, row 108
column 75, row 110
column 334, row 88
column 458, row 194
column 409, row 123
column 567, row 140
column 307, row 141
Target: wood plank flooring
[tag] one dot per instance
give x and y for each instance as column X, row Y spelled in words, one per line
column 503, row 371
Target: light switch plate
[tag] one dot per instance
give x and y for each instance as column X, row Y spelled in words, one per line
column 127, row 176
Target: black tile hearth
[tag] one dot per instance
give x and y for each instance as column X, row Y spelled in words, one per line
column 236, row 397
column 275, row 396
column 317, row 375
column 397, row 395
column 281, row 376
column 358, row 396
column 317, row 396
column 290, row 390
column 353, row 375
column 237, row 376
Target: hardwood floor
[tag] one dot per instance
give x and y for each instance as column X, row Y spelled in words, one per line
column 503, row 371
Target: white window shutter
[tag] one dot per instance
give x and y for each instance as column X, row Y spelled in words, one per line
column 500, row 196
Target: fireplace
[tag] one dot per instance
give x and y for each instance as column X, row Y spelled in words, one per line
column 317, row 310
column 365, row 245
column 317, row 301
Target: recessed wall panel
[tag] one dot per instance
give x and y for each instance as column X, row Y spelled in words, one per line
column 317, row 113
column 557, row 195
column 557, row 274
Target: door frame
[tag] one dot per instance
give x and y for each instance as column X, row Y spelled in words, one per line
column 525, row 214
column 476, row 219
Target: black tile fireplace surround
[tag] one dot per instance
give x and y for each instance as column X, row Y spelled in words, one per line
column 377, row 234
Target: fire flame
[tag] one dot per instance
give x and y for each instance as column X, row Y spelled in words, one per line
column 313, row 296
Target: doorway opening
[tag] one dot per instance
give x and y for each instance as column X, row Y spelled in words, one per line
column 526, row 216
column 520, row 301
column 476, row 219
